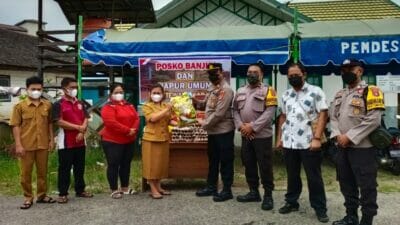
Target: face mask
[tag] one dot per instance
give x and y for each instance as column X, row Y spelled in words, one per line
column 296, row 81
column 35, row 94
column 252, row 79
column 118, row 97
column 213, row 76
column 73, row 92
column 156, row 98
column 349, row 77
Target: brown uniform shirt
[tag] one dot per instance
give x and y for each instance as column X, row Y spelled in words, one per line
column 155, row 131
column 219, row 118
column 255, row 106
column 34, row 123
column 349, row 115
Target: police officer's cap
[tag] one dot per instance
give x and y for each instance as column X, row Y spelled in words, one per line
column 214, row 66
column 351, row 63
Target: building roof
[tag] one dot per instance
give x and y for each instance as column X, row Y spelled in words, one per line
column 348, row 9
column 18, row 49
column 127, row 11
column 177, row 8
column 13, row 28
column 29, row 21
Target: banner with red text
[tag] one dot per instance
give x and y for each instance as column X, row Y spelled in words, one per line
column 178, row 75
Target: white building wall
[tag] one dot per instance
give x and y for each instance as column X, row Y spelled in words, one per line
column 17, row 79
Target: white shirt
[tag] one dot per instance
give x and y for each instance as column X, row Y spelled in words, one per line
column 301, row 108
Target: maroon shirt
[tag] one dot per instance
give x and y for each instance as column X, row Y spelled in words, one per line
column 73, row 112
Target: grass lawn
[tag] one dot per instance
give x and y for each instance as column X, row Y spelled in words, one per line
column 95, row 175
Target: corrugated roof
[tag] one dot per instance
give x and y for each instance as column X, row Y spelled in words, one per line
column 348, row 9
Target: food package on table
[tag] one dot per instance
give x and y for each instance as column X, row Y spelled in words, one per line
column 183, row 110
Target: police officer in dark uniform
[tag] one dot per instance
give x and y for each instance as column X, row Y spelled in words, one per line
column 219, row 125
column 356, row 112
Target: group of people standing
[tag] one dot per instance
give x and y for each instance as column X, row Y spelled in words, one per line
column 355, row 112
column 251, row 111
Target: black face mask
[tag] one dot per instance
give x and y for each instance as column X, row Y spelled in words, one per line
column 296, row 81
column 253, row 79
column 213, row 76
column 349, row 77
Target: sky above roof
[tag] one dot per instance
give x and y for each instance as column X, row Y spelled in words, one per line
column 12, row 12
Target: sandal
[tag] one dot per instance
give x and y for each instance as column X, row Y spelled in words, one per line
column 116, row 195
column 46, row 199
column 62, row 199
column 26, row 205
column 130, row 191
column 165, row 192
column 84, row 194
column 156, row 196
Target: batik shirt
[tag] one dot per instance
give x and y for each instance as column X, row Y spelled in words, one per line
column 301, row 108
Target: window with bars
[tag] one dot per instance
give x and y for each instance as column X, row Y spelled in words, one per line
column 314, row 79
column 5, row 82
column 369, row 78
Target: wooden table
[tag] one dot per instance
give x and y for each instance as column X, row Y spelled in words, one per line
column 186, row 160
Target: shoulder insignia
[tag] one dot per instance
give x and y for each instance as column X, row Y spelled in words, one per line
column 271, row 98
column 375, row 98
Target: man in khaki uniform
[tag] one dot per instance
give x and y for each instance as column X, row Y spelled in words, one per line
column 254, row 109
column 33, row 134
column 356, row 112
column 220, row 128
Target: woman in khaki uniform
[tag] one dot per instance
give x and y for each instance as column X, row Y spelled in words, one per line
column 155, row 143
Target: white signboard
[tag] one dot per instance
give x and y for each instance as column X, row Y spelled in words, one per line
column 388, row 83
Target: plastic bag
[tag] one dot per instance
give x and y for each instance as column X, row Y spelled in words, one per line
column 183, row 111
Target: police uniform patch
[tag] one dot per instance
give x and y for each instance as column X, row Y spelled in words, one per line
column 356, row 111
column 271, row 99
column 356, row 102
column 221, row 95
column 375, row 98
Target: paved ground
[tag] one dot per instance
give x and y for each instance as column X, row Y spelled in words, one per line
column 180, row 208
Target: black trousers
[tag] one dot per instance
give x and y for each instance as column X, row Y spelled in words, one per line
column 68, row 159
column 311, row 161
column 257, row 157
column 220, row 159
column 119, row 158
column 357, row 171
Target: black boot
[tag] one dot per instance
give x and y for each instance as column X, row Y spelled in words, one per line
column 224, row 195
column 288, row 208
column 268, row 201
column 347, row 220
column 366, row 220
column 207, row 191
column 252, row 196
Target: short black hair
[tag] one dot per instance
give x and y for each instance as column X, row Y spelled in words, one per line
column 115, row 85
column 34, row 80
column 66, row 81
column 259, row 66
column 298, row 65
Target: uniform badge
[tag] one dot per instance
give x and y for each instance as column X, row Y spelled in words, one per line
column 356, row 102
column 375, row 91
column 356, row 111
column 221, row 95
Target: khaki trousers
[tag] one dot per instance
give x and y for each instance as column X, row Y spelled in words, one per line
column 39, row 158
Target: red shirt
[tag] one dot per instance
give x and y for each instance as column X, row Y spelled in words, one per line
column 119, row 118
column 73, row 112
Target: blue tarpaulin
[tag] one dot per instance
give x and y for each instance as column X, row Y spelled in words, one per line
column 244, row 44
column 371, row 50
